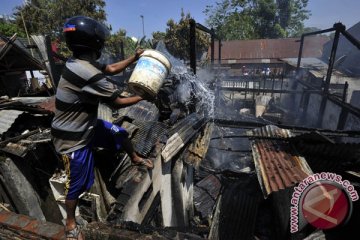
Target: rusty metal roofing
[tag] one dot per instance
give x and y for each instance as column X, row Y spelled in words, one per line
column 271, row 48
column 277, row 164
column 7, row 118
column 48, row 104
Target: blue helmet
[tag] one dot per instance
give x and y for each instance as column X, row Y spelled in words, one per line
column 84, row 34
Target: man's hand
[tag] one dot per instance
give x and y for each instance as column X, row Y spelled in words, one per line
column 124, row 102
column 122, row 65
column 138, row 52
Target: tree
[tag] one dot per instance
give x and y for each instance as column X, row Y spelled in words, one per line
column 48, row 16
column 157, row 36
column 113, row 45
column 8, row 28
column 176, row 38
column 252, row 19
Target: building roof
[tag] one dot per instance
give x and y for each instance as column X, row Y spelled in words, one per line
column 278, row 165
column 311, row 63
column 270, row 48
column 347, row 55
column 15, row 56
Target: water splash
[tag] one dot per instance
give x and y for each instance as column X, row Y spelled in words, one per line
column 191, row 89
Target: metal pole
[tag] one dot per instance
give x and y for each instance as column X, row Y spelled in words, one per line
column 351, row 38
column 142, row 18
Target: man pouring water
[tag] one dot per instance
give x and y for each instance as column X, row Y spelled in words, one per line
column 75, row 129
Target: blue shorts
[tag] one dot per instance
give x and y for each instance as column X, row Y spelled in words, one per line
column 79, row 165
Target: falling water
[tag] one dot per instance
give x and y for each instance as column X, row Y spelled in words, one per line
column 189, row 84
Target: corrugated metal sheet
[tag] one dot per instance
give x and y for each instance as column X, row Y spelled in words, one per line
column 236, row 212
column 105, row 113
column 318, row 69
column 271, row 48
column 148, row 134
column 324, row 154
column 306, row 63
column 143, row 110
column 181, row 133
column 206, row 192
column 270, row 131
column 33, row 101
column 48, row 104
column 277, row 164
column 7, row 118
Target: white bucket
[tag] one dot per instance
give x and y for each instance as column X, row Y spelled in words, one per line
column 149, row 73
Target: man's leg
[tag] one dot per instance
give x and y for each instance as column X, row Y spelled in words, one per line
column 70, row 206
column 79, row 169
column 136, row 159
column 115, row 138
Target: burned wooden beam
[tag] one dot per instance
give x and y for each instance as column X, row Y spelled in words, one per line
column 181, row 133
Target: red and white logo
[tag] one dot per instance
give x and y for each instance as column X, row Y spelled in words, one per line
column 326, row 205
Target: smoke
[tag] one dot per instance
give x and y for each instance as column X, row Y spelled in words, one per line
column 192, row 90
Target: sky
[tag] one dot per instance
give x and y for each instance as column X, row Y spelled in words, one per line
column 126, row 14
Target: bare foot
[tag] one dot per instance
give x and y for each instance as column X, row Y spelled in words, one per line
column 74, row 233
column 138, row 161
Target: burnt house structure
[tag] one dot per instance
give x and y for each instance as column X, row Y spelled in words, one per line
column 15, row 59
column 253, row 56
column 225, row 175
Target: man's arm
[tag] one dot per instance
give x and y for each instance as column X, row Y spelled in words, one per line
column 123, row 102
column 120, row 66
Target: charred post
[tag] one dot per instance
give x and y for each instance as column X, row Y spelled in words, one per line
column 339, row 27
column 212, row 45
column 344, row 113
column 193, row 45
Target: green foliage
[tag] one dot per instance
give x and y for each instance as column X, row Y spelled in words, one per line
column 253, row 19
column 48, row 16
column 8, row 29
column 176, row 38
column 157, row 36
column 113, row 45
